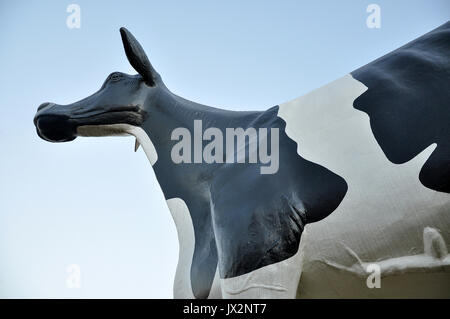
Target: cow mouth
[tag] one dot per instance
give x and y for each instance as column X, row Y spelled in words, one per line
column 54, row 128
column 64, row 128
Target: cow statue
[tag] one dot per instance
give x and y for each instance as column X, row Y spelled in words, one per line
column 353, row 199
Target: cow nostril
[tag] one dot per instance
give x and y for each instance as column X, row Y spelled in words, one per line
column 43, row 105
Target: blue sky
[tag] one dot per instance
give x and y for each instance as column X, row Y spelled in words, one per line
column 94, row 202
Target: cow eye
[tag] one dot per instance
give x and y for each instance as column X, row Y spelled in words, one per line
column 115, row 77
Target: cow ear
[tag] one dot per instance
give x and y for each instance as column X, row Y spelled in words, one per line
column 137, row 57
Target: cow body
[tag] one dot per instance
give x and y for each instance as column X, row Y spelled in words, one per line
column 363, row 178
column 384, row 212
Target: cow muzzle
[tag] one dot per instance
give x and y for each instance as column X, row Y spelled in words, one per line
column 60, row 123
column 52, row 124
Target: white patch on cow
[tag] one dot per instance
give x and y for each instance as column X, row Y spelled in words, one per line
column 386, row 207
column 120, row 130
column 182, row 287
column 278, row 280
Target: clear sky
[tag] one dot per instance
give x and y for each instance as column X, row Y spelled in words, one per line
column 94, row 202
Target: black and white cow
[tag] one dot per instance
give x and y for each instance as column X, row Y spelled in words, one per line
column 363, row 177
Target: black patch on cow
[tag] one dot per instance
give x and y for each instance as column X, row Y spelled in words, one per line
column 408, row 102
column 241, row 218
column 258, row 219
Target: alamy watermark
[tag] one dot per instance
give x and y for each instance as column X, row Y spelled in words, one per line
column 74, row 18
column 239, row 145
column 374, row 279
column 373, row 21
column 73, row 280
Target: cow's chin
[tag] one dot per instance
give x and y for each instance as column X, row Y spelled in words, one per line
column 69, row 133
column 61, row 128
column 119, row 129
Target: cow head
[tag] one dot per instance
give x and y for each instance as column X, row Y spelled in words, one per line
column 123, row 100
